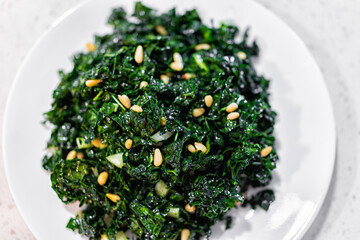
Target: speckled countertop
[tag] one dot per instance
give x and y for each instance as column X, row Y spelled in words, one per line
column 330, row 30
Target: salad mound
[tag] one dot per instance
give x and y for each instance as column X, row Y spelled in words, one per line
column 161, row 128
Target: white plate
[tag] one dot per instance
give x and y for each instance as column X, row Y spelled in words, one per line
column 305, row 127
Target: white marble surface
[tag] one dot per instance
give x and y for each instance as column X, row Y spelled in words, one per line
column 330, row 30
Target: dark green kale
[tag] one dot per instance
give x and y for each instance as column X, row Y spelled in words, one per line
column 198, row 135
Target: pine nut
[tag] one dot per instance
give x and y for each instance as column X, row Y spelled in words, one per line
column 187, row 76
column 125, row 100
column 139, row 54
column 197, row 112
column 104, row 237
column 237, row 203
column 90, row 47
column 143, row 84
column 164, row 78
column 200, row 147
column 266, row 151
column 71, row 155
column 128, row 143
column 102, row 178
column 233, row 115
column 161, row 30
column 113, row 197
column 136, row 108
column 177, row 66
column 242, row 55
column 202, row 46
column 158, row 159
column 190, row 209
column 92, row 82
column 96, row 142
column 191, row 148
column 208, row 100
column 185, row 234
column 231, row 107
column 177, row 57
column 163, row 121
column 80, row 155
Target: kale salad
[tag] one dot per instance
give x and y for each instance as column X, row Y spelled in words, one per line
column 161, row 128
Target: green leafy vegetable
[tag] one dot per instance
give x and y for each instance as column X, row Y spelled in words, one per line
column 161, row 146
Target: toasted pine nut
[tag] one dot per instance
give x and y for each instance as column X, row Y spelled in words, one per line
column 104, row 237
column 96, row 142
column 265, row 151
column 208, row 100
column 102, row 178
column 233, row 115
column 143, row 84
column 191, row 148
column 163, row 121
column 139, row 54
column 113, row 197
column 136, row 108
column 177, row 57
column 164, row 78
column 237, row 203
column 197, row 112
column 80, row 155
column 177, row 66
column 231, row 107
column 188, row 76
column 71, row 155
column 161, row 30
column 128, row 143
column 125, row 100
column 158, row 159
column 202, row 46
column 241, row 55
column 190, row 209
column 92, row 82
column 185, row 234
column 90, row 47
column 200, row 147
